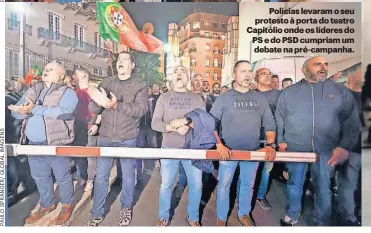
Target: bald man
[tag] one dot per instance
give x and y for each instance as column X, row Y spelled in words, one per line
column 315, row 115
column 48, row 113
column 168, row 119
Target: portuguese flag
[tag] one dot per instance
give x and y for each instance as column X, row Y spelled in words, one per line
column 116, row 24
column 34, row 73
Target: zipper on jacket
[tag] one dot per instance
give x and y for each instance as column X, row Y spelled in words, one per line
column 46, row 133
column 313, row 118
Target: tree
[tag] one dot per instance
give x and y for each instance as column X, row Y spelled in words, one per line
column 146, row 67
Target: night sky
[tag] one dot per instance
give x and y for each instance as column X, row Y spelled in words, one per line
column 161, row 14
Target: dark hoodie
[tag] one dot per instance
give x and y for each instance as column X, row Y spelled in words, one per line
column 317, row 118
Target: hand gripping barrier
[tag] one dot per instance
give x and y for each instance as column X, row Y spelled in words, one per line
column 150, row 153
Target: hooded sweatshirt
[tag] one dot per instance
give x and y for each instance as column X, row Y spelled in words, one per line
column 317, row 118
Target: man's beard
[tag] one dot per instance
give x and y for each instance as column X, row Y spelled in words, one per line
column 318, row 78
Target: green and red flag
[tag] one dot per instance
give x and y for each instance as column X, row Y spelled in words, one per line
column 117, row 25
column 34, row 73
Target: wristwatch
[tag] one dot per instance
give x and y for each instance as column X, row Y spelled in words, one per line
column 189, row 121
column 274, row 146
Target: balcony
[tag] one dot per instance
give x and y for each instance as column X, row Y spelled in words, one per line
column 217, row 52
column 217, row 66
column 198, row 35
column 14, row 25
column 193, row 63
column 70, row 42
column 192, row 50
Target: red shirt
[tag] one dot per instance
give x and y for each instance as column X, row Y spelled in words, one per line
column 82, row 110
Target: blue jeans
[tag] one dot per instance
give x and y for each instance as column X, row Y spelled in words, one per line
column 348, row 174
column 263, row 187
column 264, row 181
column 247, row 179
column 168, row 171
column 103, row 170
column 321, row 176
column 42, row 168
column 182, row 176
column 81, row 168
column 297, row 175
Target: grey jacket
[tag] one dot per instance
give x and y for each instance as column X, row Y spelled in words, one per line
column 122, row 123
column 317, row 118
column 58, row 131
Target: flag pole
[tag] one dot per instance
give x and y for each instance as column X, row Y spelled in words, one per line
column 109, row 57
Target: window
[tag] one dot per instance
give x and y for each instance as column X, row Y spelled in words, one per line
column 215, row 24
column 95, row 71
column 79, row 35
column 13, row 23
column 216, row 62
column 207, row 47
column 215, row 36
column 27, row 62
column 29, row 30
column 54, row 27
column 207, row 62
column 14, row 63
column 75, row 67
column 100, row 72
column 207, row 23
column 216, row 49
column 223, row 36
column 235, row 26
column 115, row 47
column 196, row 25
column 206, row 34
column 193, row 62
column 99, row 43
column 215, row 75
column 224, row 25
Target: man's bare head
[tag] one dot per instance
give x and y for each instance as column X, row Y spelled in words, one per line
column 263, row 76
column 315, row 69
column 355, row 80
column 81, row 78
column 53, row 73
column 180, row 77
column 196, row 83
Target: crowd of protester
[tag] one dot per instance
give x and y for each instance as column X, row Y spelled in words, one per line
column 315, row 114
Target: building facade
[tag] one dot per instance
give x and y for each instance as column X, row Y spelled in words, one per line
column 202, row 37
column 65, row 32
column 230, row 51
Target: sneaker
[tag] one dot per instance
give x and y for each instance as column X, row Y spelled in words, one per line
column 64, row 215
column 39, row 214
column 94, row 222
column 125, row 216
column 162, row 223
column 193, row 224
column 246, row 221
column 220, row 223
column 288, row 222
column 264, row 203
column 89, row 186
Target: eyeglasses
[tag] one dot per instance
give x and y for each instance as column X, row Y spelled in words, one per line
column 266, row 74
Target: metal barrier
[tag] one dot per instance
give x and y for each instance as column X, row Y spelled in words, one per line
column 150, row 153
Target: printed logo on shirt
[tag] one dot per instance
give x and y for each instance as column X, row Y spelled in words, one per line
column 180, row 103
column 247, row 105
